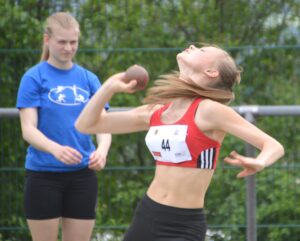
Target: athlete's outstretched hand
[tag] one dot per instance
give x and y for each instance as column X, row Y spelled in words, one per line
column 250, row 165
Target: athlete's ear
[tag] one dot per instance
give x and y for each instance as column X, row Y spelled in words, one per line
column 212, row 73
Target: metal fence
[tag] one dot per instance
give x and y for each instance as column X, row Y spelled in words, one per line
column 109, row 197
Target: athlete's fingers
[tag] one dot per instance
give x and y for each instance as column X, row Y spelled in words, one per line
column 236, row 155
column 246, row 173
column 234, row 162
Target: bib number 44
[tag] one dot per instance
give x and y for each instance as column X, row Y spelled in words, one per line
column 165, row 145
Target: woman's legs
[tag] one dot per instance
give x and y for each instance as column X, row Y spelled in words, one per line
column 72, row 229
column 41, row 206
column 79, row 206
column 77, row 229
column 44, row 230
column 69, row 197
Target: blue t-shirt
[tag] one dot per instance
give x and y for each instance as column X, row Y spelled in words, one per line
column 59, row 96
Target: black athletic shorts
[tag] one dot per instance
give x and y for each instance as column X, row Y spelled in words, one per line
column 153, row 221
column 50, row 195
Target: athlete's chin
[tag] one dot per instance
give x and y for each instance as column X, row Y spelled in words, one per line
column 180, row 58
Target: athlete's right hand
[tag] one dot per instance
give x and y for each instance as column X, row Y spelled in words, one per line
column 67, row 155
column 117, row 83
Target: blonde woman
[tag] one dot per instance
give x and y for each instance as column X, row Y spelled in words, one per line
column 187, row 118
column 61, row 184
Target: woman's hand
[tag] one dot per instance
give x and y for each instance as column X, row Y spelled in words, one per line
column 67, row 155
column 250, row 165
column 97, row 161
column 118, row 84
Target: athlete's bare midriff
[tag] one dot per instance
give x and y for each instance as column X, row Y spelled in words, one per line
column 180, row 186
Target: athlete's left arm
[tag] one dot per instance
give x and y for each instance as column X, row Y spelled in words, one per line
column 224, row 118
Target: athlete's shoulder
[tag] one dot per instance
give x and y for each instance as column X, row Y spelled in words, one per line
column 211, row 104
column 212, row 110
column 145, row 112
column 147, row 109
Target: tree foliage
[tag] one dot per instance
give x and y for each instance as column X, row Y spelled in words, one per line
column 263, row 36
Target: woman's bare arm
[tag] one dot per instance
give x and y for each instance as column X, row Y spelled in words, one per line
column 93, row 119
column 220, row 117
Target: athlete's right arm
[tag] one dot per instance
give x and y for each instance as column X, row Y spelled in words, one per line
column 94, row 120
column 31, row 134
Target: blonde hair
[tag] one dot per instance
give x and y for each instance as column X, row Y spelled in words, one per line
column 62, row 19
column 174, row 85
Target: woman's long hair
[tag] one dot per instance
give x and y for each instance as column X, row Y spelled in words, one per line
column 62, row 19
column 174, row 85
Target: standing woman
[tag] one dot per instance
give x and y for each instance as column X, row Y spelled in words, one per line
column 187, row 119
column 61, row 183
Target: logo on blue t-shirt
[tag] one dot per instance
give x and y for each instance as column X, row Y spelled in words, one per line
column 68, row 95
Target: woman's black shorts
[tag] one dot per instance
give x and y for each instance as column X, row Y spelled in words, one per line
column 153, row 221
column 50, row 195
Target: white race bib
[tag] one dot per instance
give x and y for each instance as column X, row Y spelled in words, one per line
column 167, row 143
